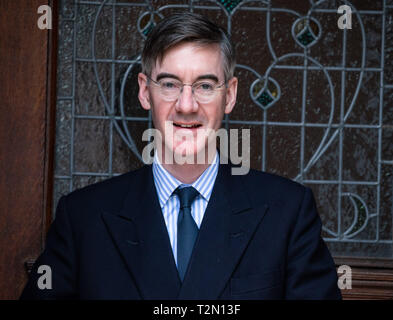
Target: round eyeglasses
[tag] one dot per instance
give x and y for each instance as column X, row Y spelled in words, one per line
column 204, row 91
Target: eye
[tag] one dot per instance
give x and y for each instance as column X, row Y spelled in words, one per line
column 205, row 86
column 169, row 84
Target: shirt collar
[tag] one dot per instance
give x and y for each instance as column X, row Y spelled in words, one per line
column 166, row 183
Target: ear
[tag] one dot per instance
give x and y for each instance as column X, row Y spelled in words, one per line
column 231, row 94
column 143, row 94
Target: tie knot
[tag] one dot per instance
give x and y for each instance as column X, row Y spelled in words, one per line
column 186, row 195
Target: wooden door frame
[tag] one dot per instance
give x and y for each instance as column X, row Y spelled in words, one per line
column 27, row 131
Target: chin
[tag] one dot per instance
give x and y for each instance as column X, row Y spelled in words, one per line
column 187, row 153
column 188, row 146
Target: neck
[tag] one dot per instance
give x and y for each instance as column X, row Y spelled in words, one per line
column 188, row 173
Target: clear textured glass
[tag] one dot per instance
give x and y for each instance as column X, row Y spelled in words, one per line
column 388, row 74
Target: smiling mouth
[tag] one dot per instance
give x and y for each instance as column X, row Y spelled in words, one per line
column 187, row 126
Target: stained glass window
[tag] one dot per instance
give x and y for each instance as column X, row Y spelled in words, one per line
column 317, row 99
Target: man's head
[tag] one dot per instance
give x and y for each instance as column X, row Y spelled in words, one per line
column 187, row 49
column 191, row 28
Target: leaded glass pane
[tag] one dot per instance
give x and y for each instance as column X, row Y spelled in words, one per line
column 324, row 118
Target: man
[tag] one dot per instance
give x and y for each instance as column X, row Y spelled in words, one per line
column 187, row 230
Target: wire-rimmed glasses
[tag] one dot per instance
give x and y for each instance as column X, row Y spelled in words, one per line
column 204, row 91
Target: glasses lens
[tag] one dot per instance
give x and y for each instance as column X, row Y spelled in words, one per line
column 204, row 91
column 170, row 89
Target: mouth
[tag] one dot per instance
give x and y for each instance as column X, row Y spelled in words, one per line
column 187, row 125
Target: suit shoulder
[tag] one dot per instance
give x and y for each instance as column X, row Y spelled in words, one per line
column 108, row 193
column 273, row 186
column 271, row 178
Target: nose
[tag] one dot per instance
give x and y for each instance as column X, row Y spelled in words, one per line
column 186, row 102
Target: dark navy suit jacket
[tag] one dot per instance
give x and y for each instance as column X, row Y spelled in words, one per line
column 259, row 239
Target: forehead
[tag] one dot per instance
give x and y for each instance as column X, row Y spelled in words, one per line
column 188, row 60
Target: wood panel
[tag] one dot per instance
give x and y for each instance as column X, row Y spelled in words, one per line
column 26, row 137
column 372, row 278
column 370, row 284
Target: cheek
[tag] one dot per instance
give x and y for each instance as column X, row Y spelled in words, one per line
column 160, row 114
column 216, row 115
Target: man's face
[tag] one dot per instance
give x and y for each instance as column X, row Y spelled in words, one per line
column 188, row 63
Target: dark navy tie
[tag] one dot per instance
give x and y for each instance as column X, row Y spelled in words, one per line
column 187, row 230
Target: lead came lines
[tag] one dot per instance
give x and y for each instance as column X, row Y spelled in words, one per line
column 332, row 131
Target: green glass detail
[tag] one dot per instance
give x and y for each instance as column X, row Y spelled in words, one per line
column 272, row 90
column 265, row 99
column 147, row 30
column 306, row 31
column 306, row 38
column 267, row 96
column 361, row 215
column 230, row 4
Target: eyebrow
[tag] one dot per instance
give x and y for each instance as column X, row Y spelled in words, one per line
column 201, row 77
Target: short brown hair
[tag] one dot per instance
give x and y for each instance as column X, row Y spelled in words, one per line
column 186, row 27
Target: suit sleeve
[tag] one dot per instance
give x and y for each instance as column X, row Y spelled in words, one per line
column 59, row 255
column 311, row 272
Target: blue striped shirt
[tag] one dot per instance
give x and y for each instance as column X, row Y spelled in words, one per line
column 170, row 205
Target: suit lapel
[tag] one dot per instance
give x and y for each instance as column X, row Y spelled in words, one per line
column 227, row 227
column 141, row 236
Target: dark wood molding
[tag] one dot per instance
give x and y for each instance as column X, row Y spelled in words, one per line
column 27, row 127
column 370, row 284
column 375, row 263
column 50, row 120
column 372, row 279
